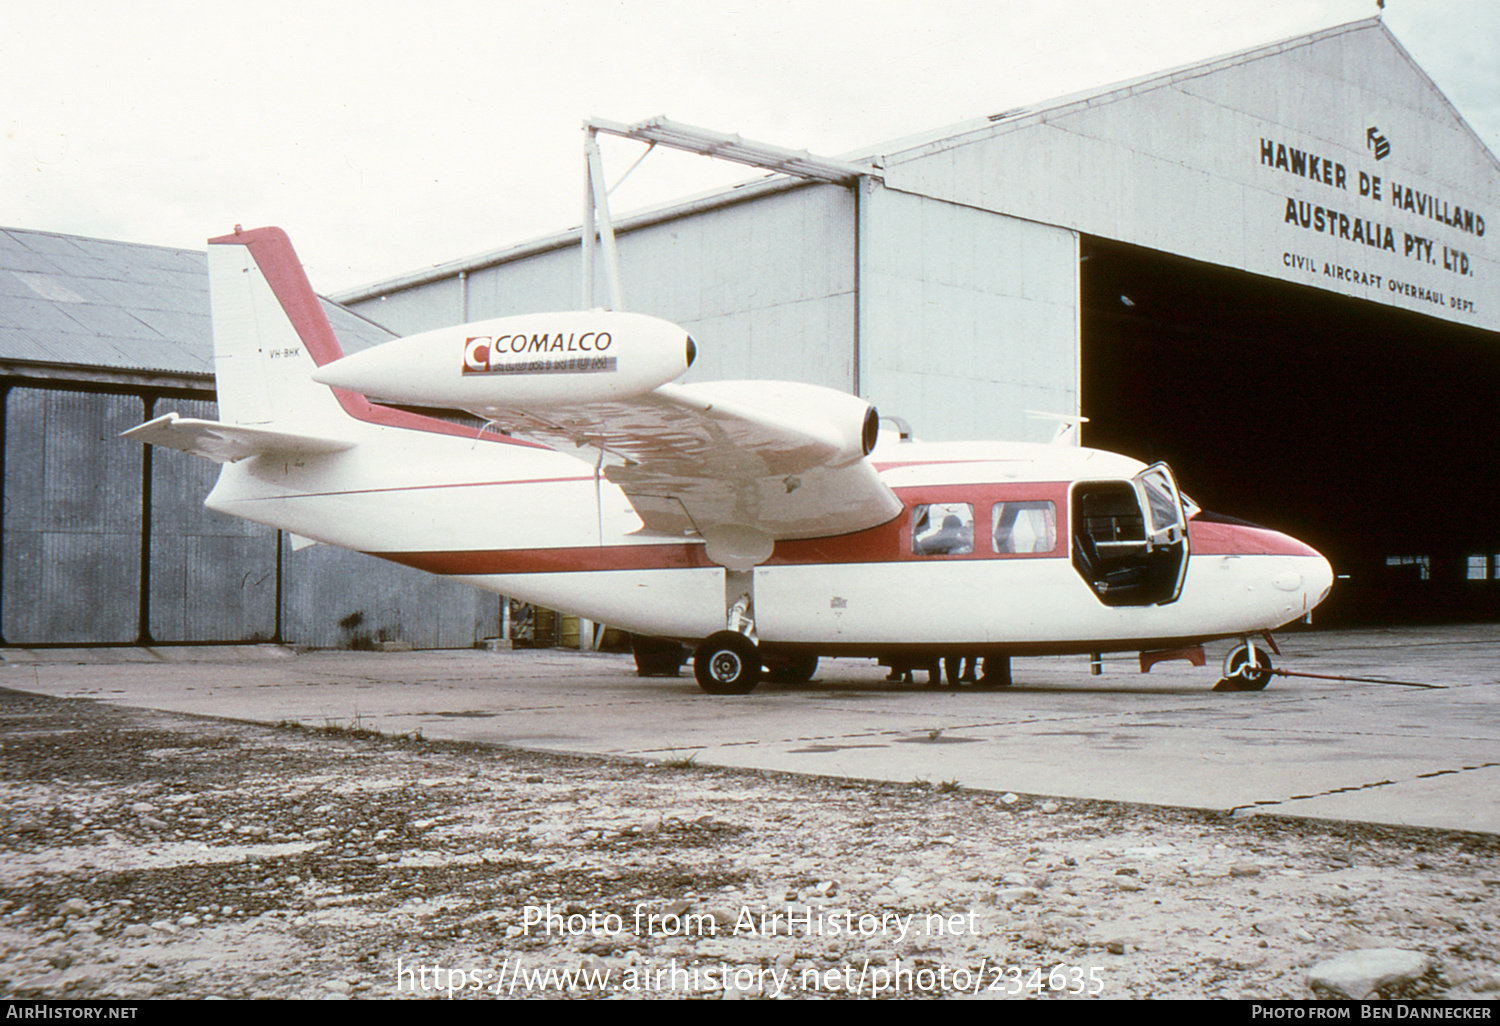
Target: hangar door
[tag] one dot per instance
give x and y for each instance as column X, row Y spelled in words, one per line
column 1361, row 429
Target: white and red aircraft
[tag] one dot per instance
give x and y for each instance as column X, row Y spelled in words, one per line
column 749, row 519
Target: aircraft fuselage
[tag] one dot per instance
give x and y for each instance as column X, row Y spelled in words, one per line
column 1010, row 576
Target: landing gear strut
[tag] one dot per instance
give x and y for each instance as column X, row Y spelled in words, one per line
column 728, row 661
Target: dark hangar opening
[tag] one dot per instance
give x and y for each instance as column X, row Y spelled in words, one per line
column 1362, row 429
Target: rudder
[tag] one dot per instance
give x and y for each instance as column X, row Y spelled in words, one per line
column 270, row 334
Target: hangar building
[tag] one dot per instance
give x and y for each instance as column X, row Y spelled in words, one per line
column 105, row 541
column 1273, row 270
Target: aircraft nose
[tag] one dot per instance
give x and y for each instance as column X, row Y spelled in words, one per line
column 1308, row 573
column 1300, row 576
column 1319, row 582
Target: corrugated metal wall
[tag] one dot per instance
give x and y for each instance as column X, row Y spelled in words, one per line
column 966, row 318
column 1175, row 164
column 212, row 576
column 76, row 509
column 72, row 518
column 340, row 599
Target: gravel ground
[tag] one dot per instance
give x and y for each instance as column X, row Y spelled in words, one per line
column 148, row 855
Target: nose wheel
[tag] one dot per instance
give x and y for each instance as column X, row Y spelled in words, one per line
column 1246, row 668
column 727, row 663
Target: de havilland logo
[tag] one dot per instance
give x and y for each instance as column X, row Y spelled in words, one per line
column 1377, row 142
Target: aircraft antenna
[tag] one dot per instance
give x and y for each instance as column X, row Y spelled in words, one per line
column 1067, row 426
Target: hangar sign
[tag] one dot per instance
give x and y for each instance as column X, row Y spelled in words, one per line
column 1367, row 232
column 1329, row 160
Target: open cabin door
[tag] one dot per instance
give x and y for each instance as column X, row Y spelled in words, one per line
column 1130, row 538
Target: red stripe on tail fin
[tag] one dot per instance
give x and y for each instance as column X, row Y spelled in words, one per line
column 273, row 252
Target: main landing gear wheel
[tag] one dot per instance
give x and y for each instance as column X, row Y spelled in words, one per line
column 727, row 663
column 1239, row 675
column 797, row 669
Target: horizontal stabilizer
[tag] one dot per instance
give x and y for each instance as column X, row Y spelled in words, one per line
column 225, row 443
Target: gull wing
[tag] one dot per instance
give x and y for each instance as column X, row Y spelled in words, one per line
column 739, row 463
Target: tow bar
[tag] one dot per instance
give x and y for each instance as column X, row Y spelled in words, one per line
column 1358, row 680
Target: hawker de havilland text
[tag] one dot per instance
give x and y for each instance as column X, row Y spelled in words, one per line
column 748, row 519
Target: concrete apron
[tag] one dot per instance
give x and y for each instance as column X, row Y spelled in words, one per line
column 1377, row 753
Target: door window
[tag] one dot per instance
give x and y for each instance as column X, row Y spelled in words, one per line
column 1130, row 538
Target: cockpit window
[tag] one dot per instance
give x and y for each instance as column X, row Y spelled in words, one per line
column 942, row 529
column 1161, row 500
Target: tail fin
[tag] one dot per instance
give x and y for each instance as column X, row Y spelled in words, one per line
column 270, row 334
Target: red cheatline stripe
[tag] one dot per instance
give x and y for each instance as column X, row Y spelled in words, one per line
column 560, row 560
column 880, row 545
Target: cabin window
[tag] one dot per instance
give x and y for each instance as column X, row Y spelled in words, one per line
column 1024, row 527
column 942, row 529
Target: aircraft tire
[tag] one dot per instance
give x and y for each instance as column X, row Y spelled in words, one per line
column 797, row 669
column 727, row 663
column 1237, row 678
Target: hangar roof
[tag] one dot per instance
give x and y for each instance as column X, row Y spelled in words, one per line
column 71, row 301
column 1428, row 100
column 1330, row 160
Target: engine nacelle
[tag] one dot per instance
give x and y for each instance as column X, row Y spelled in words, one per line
column 528, row 361
column 842, row 427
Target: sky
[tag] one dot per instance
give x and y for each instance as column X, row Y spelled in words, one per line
column 386, row 137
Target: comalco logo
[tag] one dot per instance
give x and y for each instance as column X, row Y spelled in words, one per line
column 1377, row 142
column 497, row 354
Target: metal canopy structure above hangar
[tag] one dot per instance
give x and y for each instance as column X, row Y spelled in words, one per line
column 597, row 222
column 735, row 148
